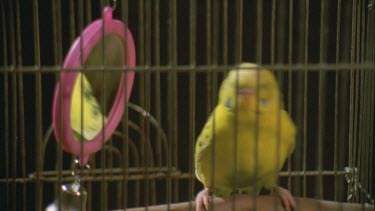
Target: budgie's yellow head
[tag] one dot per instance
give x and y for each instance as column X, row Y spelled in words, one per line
column 250, row 90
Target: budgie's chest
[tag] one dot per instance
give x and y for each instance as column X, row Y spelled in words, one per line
column 247, row 152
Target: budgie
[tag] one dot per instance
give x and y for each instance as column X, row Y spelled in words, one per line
column 92, row 116
column 247, row 138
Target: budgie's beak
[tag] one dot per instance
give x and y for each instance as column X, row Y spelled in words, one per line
column 246, row 92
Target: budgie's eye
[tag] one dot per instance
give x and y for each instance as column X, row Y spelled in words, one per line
column 228, row 103
column 264, row 101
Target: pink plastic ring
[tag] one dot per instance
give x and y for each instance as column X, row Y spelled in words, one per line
column 83, row 46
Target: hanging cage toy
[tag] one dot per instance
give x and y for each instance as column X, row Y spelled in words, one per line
column 105, row 42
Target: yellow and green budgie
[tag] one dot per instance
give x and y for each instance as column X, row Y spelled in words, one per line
column 247, row 138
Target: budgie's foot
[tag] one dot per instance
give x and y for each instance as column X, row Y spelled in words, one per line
column 287, row 200
column 202, row 201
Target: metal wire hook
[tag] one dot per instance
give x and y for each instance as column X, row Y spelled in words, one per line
column 371, row 5
column 113, row 4
column 75, row 171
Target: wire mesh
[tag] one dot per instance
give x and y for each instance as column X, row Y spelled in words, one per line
column 322, row 52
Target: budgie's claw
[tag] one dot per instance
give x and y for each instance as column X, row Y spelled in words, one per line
column 202, row 201
column 287, row 200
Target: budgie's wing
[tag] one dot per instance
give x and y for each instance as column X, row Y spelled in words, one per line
column 89, row 111
column 289, row 129
column 203, row 148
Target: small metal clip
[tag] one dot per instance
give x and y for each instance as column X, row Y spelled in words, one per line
column 351, row 176
column 113, row 4
column 371, row 5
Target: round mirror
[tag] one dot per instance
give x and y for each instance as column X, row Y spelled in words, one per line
column 88, row 104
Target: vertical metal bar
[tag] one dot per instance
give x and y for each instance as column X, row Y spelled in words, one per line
column 371, row 128
column 14, row 138
column 273, row 34
column 321, row 111
column 141, row 61
column 157, row 79
column 125, row 120
column 237, row 58
column 72, row 33
column 356, row 50
column 57, row 47
column 174, row 98
column 57, row 32
column 209, row 104
column 351, row 103
column 363, row 160
column 21, row 104
column 192, row 90
column 214, row 86
column 14, row 105
column 239, row 30
column 256, row 129
column 235, row 136
column 80, row 27
column 368, row 97
column 277, row 54
column 344, row 94
column 225, row 32
column 279, row 9
column 104, row 155
column 306, row 53
column 360, row 94
column 82, row 107
column 225, row 44
column 290, row 78
column 321, row 101
column 213, row 164
column 145, row 122
column 172, row 101
column 259, row 29
column 370, row 58
column 81, row 71
column 371, row 119
column 273, row 29
column 363, row 31
column 366, row 156
column 362, row 152
column 367, row 101
column 357, row 146
column 335, row 136
column 149, row 184
column 358, row 32
column 88, row 11
column 157, row 88
column 6, row 107
column 215, row 48
column 38, row 103
column 281, row 38
column 299, row 105
column 371, row 115
column 290, row 41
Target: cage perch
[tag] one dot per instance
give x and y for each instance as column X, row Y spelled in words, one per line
column 264, row 203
